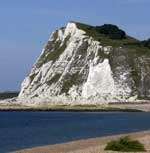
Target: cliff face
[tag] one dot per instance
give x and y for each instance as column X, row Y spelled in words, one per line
column 78, row 66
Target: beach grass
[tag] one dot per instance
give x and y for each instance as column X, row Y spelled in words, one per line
column 125, row 144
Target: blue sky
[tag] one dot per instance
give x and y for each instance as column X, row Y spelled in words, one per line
column 25, row 27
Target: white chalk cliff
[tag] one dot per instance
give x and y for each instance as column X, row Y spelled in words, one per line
column 74, row 67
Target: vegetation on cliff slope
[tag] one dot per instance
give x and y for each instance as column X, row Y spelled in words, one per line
column 107, row 34
column 111, row 35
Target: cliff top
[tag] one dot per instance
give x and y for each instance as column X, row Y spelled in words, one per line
column 112, row 35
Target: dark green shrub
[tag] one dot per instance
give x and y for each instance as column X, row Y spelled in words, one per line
column 125, row 144
column 146, row 43
column 7, row 95
column 112, row 31
column 109, row 30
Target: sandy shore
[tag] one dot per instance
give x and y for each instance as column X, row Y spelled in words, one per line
column 94, row 145
column 111, row 107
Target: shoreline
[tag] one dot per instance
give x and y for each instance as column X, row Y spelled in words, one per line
column 59, row 108
column 47, row 107
column 91, row 145
column 71, row 110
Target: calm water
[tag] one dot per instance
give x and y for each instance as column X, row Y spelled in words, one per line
column 20, row 130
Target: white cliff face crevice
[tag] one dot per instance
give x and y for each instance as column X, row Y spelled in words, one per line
column 100, row 81
column 74, row 68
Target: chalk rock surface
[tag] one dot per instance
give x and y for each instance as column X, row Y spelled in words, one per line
column 77, row 65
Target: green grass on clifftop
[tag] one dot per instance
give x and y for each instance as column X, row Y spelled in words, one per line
column 111, row 39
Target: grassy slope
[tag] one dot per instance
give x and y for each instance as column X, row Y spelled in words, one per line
column 129, row 42
column 133, row 44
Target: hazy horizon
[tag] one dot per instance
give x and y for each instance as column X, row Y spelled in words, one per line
column 27, row 25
